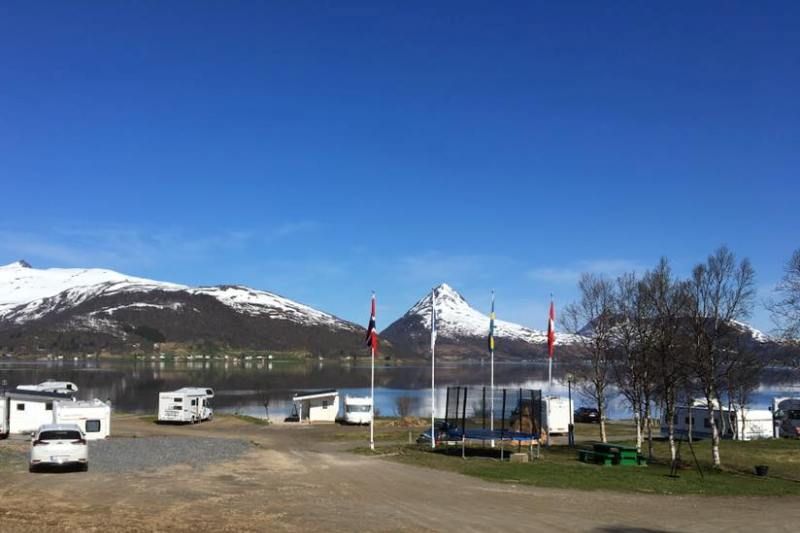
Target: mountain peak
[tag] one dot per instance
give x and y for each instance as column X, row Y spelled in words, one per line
column 18, row 264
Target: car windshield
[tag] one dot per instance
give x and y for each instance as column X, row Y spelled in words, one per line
column 60, row 434
column 358, row 408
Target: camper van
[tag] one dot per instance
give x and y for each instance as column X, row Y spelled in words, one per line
column 3, row 416
column 357, row 410
column 61, row 387
column 786, row 415
column 93, row 417
column 26, row 410
column 556, row 414
column 189, row 404
column 737, row 423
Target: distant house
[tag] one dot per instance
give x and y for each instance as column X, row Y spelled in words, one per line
column 317, row 406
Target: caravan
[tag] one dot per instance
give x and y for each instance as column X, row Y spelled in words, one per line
column 737, row 423
column 557, row 413
column 357, row 410
column 189, row 404
column 29, row 409
column 92, row 417
column 61, row 387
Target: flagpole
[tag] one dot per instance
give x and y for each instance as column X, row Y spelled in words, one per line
column 433, row 370
column 372, row 401
column 491, row 357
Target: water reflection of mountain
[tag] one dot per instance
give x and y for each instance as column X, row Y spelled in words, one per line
column 135, row 386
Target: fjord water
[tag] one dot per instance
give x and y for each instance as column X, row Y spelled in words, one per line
column 244, row 386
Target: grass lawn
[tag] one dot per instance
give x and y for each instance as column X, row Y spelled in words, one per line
column 559, row 468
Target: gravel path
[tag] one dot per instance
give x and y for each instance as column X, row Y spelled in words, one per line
column 126, row 454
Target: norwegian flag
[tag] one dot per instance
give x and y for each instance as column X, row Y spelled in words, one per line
column 551, row 330
column 372, row 334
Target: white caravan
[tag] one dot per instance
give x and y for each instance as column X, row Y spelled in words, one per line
column 189, row 404
column 93, row 417
column 556, row 414
column 61, row 387
column 786, row 416
column 737, row 423
column 357, row 410
column 3, row 417
column 29, row 409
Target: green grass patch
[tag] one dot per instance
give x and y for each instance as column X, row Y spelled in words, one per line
column 558, row 467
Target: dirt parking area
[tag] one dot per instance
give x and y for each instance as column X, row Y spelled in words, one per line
column 292, row 478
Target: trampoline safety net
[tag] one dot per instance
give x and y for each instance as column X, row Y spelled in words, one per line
column 514, row 410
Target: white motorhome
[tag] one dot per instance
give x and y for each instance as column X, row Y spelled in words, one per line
column 3, row 417
column 29, row 409
column 357, row 410
column 61, row 387
column 556, row 414
column 93, row 417
column 189, row 404
column 786, row 417
column 737, row 423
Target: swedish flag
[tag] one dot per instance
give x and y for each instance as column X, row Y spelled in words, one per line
column 491, row 326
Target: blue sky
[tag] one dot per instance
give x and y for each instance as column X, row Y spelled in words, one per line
column 324, row 149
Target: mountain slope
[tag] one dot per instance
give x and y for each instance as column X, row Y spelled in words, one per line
column 79, row 310
column 463, row 330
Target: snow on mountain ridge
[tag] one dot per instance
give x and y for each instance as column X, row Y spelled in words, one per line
column 456, row 318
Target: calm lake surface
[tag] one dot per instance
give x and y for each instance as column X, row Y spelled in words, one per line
column 243, row 387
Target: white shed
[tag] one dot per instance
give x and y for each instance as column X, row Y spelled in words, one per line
column 317, row 406
column 28, row 409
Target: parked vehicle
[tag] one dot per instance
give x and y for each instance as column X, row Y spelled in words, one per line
column 357, row 410
column 93, row 417
column 27, row 410
column 786, row 417
column 556, row 413
column 59, row 445
column 587, row 415
column 61, row 387
column 737, row 423
column 3, row 416
column 189, row 404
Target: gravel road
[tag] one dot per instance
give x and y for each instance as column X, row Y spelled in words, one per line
column 132, row 454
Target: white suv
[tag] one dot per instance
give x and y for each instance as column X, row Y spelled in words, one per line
column 59, row 445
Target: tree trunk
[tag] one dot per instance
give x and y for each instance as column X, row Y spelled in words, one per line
column 649, row 426
column 714, row 435
column 637, row 418
column 602, row 415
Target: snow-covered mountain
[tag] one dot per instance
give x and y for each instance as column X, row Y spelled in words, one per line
column 104, row 308
column 463, row 330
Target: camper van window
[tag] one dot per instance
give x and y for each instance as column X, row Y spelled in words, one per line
column 20, row 407
column 69, row 386
column 194, row 402
column 177, row 400
column 324, row 404
column 92, row 426
column 794, row 414
column 48, row 406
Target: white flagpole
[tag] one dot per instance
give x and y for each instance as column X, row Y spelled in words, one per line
column 491, row 399
column 372, row 400
column 433, row 370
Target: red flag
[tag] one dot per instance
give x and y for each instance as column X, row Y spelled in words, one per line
column 372, row 334
column 551, row 330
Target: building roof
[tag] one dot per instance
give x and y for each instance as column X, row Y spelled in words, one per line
column 310, row 395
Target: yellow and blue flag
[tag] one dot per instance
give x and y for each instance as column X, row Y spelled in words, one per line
column 491, row 326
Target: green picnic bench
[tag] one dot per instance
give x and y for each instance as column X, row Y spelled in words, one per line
column 607, row 453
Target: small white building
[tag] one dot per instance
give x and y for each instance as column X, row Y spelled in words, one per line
column 29, row 409
column 93, row 417
column 317, row 406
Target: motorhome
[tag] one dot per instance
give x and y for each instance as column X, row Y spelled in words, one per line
column 3, row 417
column 61, row 387
column 93, row 417
column 556, row 414
column 189, row 404
column 737, row 423
column 29, row 409
column 357, row 410
column 786, row 417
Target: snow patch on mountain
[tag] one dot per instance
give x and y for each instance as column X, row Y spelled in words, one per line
column 456, row 318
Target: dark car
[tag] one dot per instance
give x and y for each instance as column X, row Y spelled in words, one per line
column 587, row 414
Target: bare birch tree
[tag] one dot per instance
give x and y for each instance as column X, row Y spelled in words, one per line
column 785, row 310
column 592, row 318
column 721, row 293
column 669, row 298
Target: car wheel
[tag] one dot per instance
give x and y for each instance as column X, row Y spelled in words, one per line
column 32, row 469
column 84, row 467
